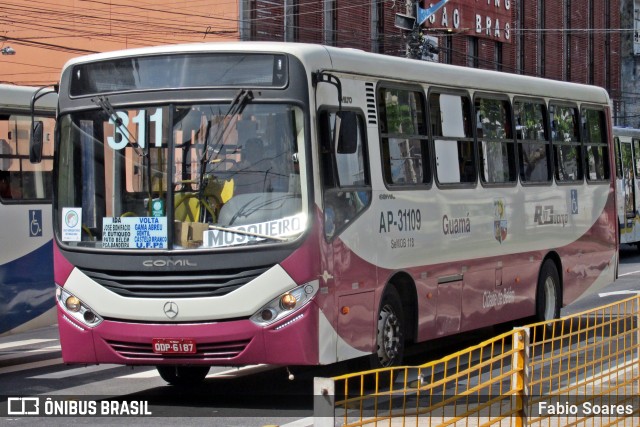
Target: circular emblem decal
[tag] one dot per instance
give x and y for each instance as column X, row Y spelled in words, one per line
column 171, row 309
column 71, row 219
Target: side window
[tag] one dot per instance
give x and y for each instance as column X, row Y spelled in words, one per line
column 626, row 159
column 452, row 138
column 566, row 143
column 351, row 162
column 405, row 159
column 345, row 171
column 534, row 152
column 594, row 134
column 21, row 180
column 495, row 140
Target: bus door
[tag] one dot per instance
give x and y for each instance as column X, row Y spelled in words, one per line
column 346, row 194
column 627, row 189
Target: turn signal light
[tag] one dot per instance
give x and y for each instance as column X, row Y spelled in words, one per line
column 288, row 302
column 73, row 304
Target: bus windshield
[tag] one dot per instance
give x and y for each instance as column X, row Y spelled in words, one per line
column 199, row 176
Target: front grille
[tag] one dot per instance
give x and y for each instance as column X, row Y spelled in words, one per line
column 205, row 351
column 183, row 284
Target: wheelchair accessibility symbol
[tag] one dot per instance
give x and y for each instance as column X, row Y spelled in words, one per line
column 35, row 223
column 574, row 202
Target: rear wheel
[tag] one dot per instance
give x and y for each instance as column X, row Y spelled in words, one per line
column 548, row 295
column 183, row 375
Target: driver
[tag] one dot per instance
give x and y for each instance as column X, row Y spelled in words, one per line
column 251, row 173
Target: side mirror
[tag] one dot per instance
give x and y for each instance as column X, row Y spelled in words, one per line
column 347, row 132
column 36, row 143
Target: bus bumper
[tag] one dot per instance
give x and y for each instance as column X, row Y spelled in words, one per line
column 291, row 341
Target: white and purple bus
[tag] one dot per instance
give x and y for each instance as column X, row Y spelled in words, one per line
column 26, row 258
column 292, row 204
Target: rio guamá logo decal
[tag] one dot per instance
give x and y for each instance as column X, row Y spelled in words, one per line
column 499, row 220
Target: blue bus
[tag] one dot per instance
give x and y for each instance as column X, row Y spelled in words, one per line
column 26, row 259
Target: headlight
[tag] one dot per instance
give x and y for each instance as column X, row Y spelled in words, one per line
column 75, row 308
column 285, row 304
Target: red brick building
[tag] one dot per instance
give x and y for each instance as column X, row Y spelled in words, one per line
column 567, row 40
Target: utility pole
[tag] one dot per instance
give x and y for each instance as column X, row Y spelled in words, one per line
column 407, row 22
column 418, row 45
column 414, row 37
column 289, row 21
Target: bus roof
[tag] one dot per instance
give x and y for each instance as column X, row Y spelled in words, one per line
column 626, row 131
column 354, row 61
column 18, row 99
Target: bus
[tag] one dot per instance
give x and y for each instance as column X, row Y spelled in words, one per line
column 26, row 236
column 292, row 204
column 627, row 153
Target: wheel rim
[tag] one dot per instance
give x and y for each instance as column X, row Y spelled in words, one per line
column 549, row 299
column 388, row 336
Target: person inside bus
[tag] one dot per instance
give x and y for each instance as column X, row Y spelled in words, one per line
column 265, row 166
column 251, row 173
column 281, row 163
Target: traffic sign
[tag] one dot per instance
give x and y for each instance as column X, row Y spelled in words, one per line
column 424, row 14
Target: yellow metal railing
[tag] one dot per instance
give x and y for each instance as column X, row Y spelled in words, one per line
column 581, row 370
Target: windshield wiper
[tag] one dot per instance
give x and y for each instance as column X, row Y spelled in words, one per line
column 237, row 105
column 105, row 105
column 247, row 233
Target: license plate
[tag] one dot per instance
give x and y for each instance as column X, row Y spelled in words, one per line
column 174, row 346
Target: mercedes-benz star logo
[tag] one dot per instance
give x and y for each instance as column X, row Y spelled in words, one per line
column 171, row 309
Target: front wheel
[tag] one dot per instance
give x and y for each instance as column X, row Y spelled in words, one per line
column 183, row 375
column 548, row 295
column 390, row 331
column 389, row 342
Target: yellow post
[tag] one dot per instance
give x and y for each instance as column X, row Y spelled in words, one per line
column 637, row 346
column 519, row 362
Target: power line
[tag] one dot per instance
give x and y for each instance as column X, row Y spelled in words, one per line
column 56, row 69
column 174, row 31
column 61, row 24
column 47, row 45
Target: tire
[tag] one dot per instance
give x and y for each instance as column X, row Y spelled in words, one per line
column 389, row 348
column 548, row 293
column 390, row 331
column 183, row 375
